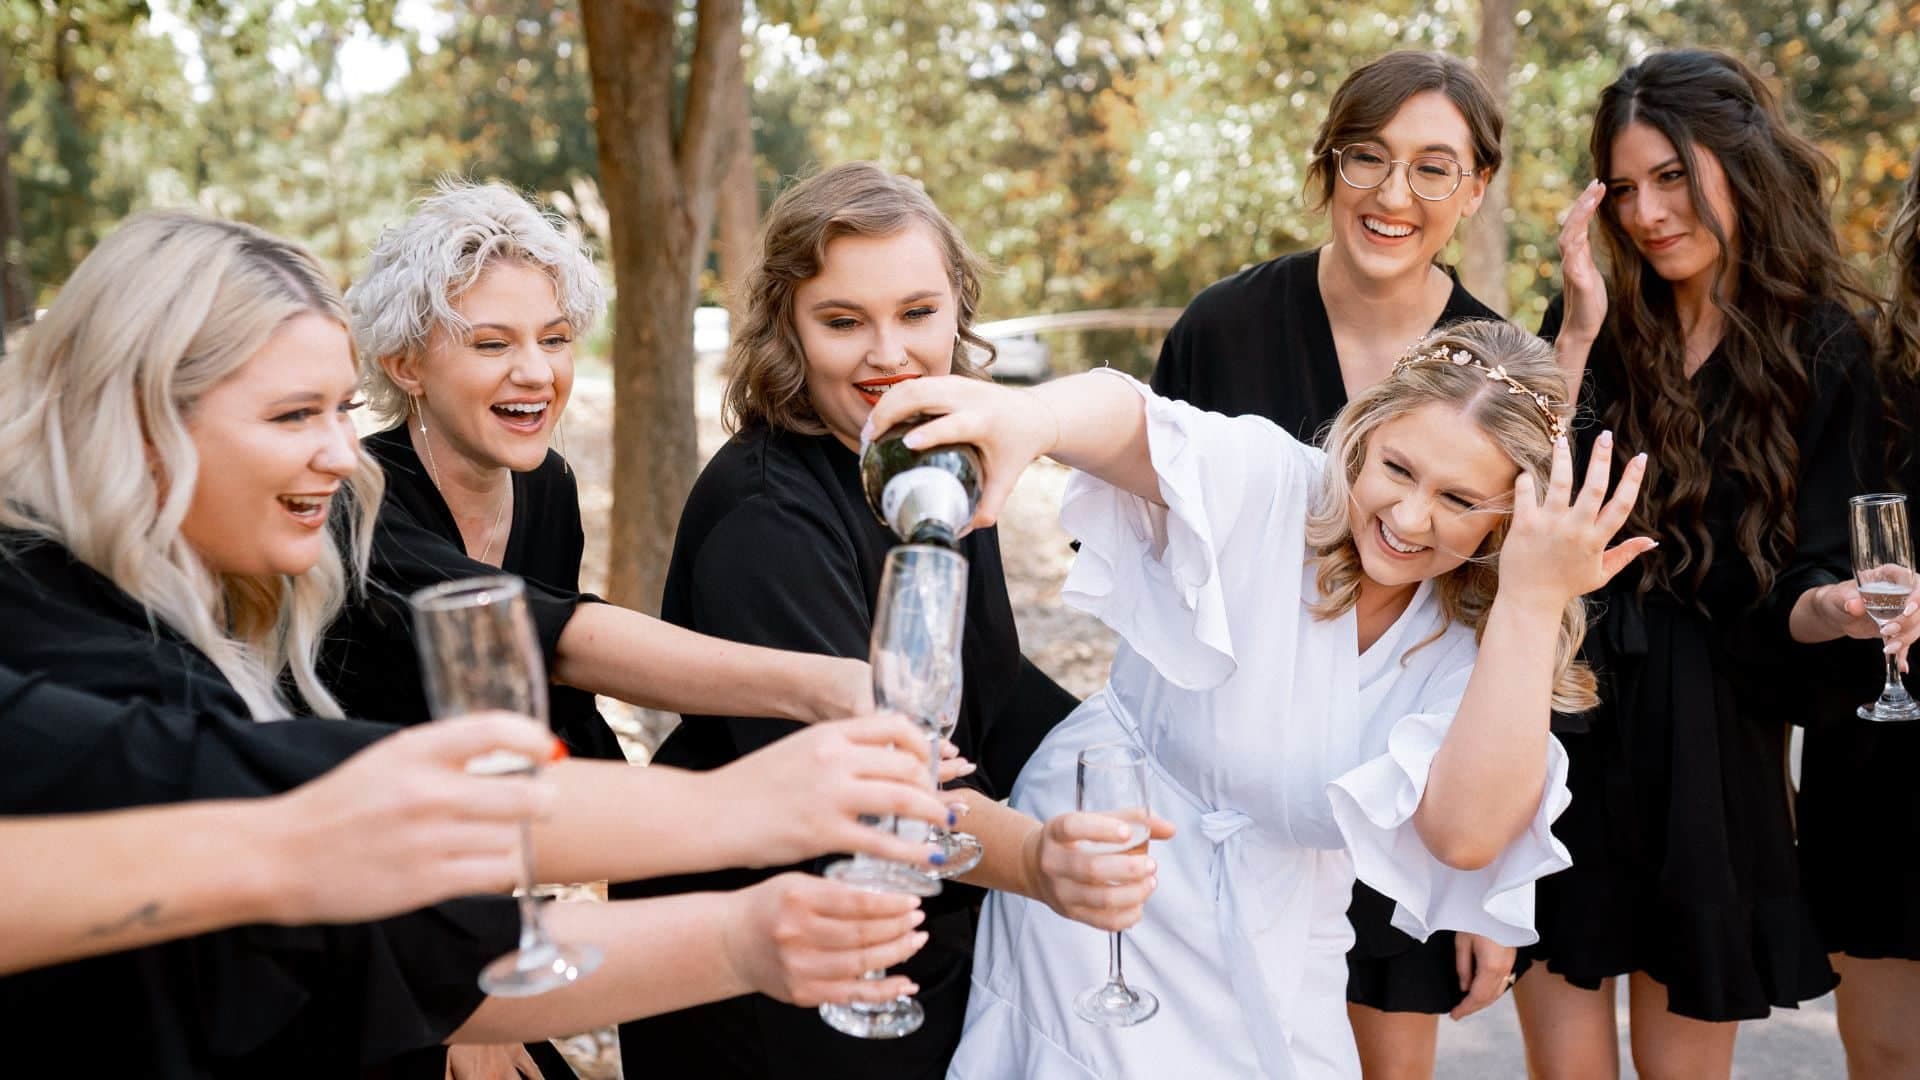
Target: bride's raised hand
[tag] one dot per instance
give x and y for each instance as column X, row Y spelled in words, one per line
column 1009, row 427
column 1557, row 547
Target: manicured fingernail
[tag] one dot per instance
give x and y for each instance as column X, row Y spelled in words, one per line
column 866, row 432
column 912, row 989
column 1152, row 867
column 1640, row 458
column 1122, row 833
column 1606, row 438
column 952, row 818
column 938, row 858
column 916, row 918
column 919, row 939
column 559, row 751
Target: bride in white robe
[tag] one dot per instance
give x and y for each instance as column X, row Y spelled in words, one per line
column 1289, row 758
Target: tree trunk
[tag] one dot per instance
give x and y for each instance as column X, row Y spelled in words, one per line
column 1483, row 268
column 16, row 288
column 739, row 206
column 660, row 185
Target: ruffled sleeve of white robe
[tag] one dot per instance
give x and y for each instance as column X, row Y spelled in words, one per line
column 1151, row 572
column 1373, row 806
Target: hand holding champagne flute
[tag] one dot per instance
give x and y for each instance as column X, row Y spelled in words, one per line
column 1111, row 780
column 478, row 653
column 1883, row 570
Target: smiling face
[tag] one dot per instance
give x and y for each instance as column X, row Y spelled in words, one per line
column 1387, row 232
column 1647, row 193
column 274, row 443
column 880, row 311
column 1432, row 487
column 493, row 393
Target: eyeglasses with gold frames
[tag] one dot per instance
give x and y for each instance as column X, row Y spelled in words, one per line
column 1367, row 165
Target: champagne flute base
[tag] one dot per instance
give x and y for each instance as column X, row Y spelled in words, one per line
column 962, row 850
column 897, row 1018
column 1891, row 711
column 876, row 875
column 1115, row 1005
column 539, row 969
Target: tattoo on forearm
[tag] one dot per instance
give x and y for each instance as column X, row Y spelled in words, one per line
column 148, row 914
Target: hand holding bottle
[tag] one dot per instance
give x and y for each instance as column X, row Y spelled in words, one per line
column 1010, row 428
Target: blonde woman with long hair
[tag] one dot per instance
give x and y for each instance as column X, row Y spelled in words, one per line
column 174, row 442
column 1336, row 664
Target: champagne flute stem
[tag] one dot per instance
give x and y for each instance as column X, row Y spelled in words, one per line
column 1894, row 687
column 532, row 934
column 1114, row 977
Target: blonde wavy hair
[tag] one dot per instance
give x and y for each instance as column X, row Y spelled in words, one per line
column 769, row 364
column 420, row 265
column 1516, row 425
column 95, row 453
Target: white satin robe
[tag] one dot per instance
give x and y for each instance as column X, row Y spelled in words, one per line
column 1289, row 761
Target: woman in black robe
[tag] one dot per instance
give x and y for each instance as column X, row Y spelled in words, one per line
column 1859, row 809
column 1290, row 339
column 181, row 568
column 777, row 546
column 1722, row 345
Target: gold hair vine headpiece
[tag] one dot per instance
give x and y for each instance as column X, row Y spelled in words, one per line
column 1556, row 425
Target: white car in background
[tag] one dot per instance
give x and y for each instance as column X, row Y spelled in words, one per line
column 711, row 330
column 1023, row 359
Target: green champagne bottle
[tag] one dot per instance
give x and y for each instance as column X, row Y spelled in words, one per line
column 925, row 496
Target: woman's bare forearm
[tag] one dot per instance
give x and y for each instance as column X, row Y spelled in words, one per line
column 88, row 884
column 654, row 664
column 660, row 955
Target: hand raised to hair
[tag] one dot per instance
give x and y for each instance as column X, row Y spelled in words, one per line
column 1557, row 547
column 1584, row 289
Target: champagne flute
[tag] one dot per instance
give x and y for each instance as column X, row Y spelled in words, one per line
column 478, row 652
column 915, row 655
column 959, row 851
column 1111, row 779
column 1883, row 568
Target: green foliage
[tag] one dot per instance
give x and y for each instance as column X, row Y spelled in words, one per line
column 1100, row 152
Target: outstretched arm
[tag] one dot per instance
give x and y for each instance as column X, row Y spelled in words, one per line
column 796, row 938
column 640, row 659
column 796, row 798
column 396, row 827
column 1092, row 422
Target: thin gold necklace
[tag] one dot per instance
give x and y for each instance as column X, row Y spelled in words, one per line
column 433, row 470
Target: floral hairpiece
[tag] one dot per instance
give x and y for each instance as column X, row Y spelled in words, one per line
column 1556, row 425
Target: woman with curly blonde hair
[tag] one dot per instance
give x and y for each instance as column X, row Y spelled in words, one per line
column 1337, row 664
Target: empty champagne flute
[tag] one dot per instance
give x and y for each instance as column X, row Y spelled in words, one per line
column 1883, row 569
column 478, row 652
column 915, row 655
column 1111, row 779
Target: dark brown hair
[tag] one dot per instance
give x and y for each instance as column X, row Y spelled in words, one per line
column 769, row 380
column 1366, row 101
column 1900, row 330
column 1788, row 262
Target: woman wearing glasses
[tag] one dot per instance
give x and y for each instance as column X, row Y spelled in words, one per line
column 1404, row 154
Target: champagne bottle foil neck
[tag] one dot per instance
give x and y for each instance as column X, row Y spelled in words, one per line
column 922, row 503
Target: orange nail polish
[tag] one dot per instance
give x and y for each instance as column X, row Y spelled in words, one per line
column 559, row 753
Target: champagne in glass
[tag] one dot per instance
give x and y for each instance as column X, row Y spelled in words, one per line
column 1883, row 569
column 1112, row 779
column 478, row 652
column 915, row 654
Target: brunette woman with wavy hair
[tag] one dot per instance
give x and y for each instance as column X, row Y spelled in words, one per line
column 1858, row 807
column 1724, row 346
